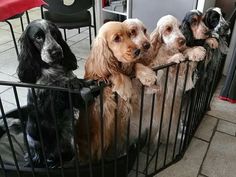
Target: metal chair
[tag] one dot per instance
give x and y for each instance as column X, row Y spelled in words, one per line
column 72, row 16
column 22, row 27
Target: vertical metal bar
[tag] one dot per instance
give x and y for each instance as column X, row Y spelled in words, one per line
column 127, row 147
column 74, row 132
column 27, row 17
column 57, row 132
column 162, row 113
column 115, row 133
column 102, row 129
column 2, row 166
column 94, row 20
column 140, row 129
column 41, row 9
column 171, row 113
column 23, row 129
column 88, row 139
column 65, row 34
column 13, row 37
column 9, row 138
column 180, row 110
column 22, row 24
column 79, row 30
column 39, row 129
column 150, row 134
column 90, row 36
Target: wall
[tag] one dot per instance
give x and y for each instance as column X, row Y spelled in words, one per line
column 203, row 5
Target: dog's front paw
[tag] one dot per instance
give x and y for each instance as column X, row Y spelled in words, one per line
column 176, row 58
column 145, row 74
column 213, row 43
column 122, row 86
column 197, row 53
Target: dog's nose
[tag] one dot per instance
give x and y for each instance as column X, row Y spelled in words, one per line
column 181, row 41
column 56, row 53
column 136, row 52
column 146, row 45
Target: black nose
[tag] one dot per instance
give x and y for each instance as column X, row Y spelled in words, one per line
column 146, row 45
column 181, row 41
column 136, row 52
column 56, row 53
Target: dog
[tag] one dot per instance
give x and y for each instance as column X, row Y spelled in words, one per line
column 219, row 27
column 195, row 30
column 113, row 59
column 107, row 61
column 171, row 45
column 46, row 59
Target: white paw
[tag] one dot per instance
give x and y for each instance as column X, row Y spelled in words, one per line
column 148, row 79
column 197, row 53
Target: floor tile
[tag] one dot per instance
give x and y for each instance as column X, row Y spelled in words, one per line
column 8, row 62
column 206, row 128
column 81, row 49
column 222, row 109
column 7, row 107
column 80, row 71
column 5, row 77
column 9, row 97
column 191, row 162
column 220, row 160
column 6, row 36
column 227, row 127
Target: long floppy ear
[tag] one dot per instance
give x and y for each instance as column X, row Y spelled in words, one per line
column 187, row 32
column 29, row 68
column 211, row 19
column 156, row 39
column 100, row 61
column 69, row 61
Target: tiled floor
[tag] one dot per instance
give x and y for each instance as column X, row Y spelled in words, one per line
column 212, row 150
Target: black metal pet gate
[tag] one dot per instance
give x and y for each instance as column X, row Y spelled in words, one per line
column 138, row 160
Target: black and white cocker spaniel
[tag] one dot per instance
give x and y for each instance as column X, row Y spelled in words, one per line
column 46, row 59
column 220, row 28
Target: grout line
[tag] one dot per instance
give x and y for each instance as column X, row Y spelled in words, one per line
column 225, row 133
column 220, row 118
column 203, row 175
column 201, row 139
column 213, row 134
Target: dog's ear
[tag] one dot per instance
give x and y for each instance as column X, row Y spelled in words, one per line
column 156, row 39
column 29, row 69
column 211, row 19
column 186, row 31
column 99, row 62
column 69, row 61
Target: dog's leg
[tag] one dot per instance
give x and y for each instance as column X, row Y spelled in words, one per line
column 122, row 85
column 146, row 75
column 197, row 53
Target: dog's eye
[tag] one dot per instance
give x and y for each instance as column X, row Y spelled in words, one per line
column 194, row 22
column 145, row 31
column 169, row 29
column 38, row 37
column 117, row 38
column 133, row 32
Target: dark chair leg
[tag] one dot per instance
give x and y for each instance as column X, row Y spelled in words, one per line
column 65, row 34
column 94, row 22
column 90, row 36
column 13, row 37
column 79, row 30
column 27, row 16
column 22, row 24
column 41, row 8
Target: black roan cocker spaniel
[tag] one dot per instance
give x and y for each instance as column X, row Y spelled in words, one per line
column 46, row 59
